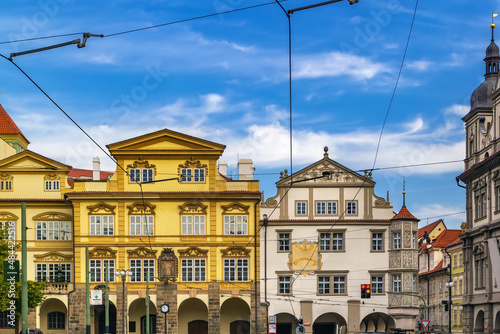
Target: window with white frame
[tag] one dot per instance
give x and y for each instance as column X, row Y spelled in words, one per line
column 301, row 208
column 325, row 284
column 414, row 239
column 51, row 185
column 141, row 175
column 331, row 241
column 193, row 270
column 338, row 284
column 196, row 175
column 326, row 208
column 377, row 241
column 97, row 270
column 53, row 230
column 193, row 225
column 396, row 283
column 236, row 224
column 102, row 225
column 142, row 225
column 5, row 185
column 235, row 270
column 141, row 269
column 284, row 241
column 53, row 272
column 377, row 284
column 396, row 240
column 352, row 208
column 284, row 285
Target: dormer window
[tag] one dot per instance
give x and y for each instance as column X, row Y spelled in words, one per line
column 51, row 185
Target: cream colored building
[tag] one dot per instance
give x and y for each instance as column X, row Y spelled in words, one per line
column 326, row 233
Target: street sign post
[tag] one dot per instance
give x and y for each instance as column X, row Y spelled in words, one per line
column 425, row 323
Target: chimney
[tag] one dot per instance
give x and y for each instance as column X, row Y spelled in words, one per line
column 96, row 169
column 223, row 167
column 246, row 169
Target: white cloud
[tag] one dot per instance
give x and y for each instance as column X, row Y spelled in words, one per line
column 428, row 213
column 457, row 109
column 337, row 64
column 419, row 65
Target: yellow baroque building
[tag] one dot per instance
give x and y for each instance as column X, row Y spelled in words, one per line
column 166, row 215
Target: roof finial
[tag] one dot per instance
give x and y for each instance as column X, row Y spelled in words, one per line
column 404, row 192
column 492, row 25
column 326, row 152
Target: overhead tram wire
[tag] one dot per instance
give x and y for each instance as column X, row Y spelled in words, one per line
column 150, row 27
column 380, row 136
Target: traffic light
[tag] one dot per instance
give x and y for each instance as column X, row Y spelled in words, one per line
column 301, row 325
column 366, row 290
column 446, row 304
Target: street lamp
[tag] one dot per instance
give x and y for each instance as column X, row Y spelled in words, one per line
column 124, row 273
column 449, row 285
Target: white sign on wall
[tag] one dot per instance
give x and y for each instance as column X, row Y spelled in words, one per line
column 96, row 297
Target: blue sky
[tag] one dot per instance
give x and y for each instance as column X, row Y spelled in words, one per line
column 225, row 79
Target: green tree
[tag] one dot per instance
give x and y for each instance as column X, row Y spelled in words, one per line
column 35, row 289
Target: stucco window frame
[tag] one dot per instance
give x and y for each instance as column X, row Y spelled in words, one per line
column 357, row 208
column 331, row 232
column 332, row 275
column 372, row 231
column 306, row 208
column 280, row 231
column 316, row 214
column 290, row 276
column 378, row 274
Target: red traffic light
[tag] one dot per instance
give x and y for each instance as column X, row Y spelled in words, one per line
column 363, row 286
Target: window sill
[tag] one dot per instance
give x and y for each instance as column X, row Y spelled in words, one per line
column 331, row 294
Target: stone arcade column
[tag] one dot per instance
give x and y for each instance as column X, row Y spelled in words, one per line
column 213, row 309
column 166, row 294
column 76, row 316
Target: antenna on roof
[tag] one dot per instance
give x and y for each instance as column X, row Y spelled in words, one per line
column 404, row 192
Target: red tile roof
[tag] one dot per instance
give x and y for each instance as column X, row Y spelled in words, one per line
column 404, row 214
column 428, row 228
column 446, row 238
column 77, row 173
column 7, row 125
column 438, row 268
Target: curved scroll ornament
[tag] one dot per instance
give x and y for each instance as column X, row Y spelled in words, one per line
column 141, row 252
column 235, row 251
column 52, row 177
column 102, row 252
column 53, row 216
column 6, row 177
column 8, row 216
column 196, row 208
column 102, row 208
column 53, row 257
column 235, row 208
column 193, row 251
column 138, row 208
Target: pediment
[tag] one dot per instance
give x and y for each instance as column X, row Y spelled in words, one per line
column 193, row 251
column 32, row 161
column 102, row 252
column 53, row 257
column 165, row 142
column 235, row 251
column 141, row 252
column 339, row 174
column 52, row 216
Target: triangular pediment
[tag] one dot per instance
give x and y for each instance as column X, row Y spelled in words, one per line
column 166, row 142
column 312, row 175
column 29, row 160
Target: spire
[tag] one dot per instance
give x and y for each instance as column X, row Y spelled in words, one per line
column 10, row 133
column 404, row 192
column 492, row 54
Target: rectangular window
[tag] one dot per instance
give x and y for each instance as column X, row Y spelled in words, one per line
column 134, row 175
column 414, row 240
column 480, row 202
column 141, row 225
column 323, row 285
column 193, row 270
column 186, row 225
column 56, row 320
column 396, row 283
column 54, row 230
column 338, row 284
column 377, row 284
column 51, row 185
column 285, row 285
column 97, row 269
column 59, row 272
column 396, row 240
column 497, row 192
column 199, row 174
column 326, row 208
column 141, row 269
column 236, row 224
column 284, row 242
column 102, row 225
column 352, row 208
column 41, row 272
column 5, row 185
column 414, row 283
column 147, row 175
column 377, row 241
column 331, row 241
column 301, row 208
column 236, row 270
column 186, row 175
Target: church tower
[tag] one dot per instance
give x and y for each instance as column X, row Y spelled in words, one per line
column 481, row 128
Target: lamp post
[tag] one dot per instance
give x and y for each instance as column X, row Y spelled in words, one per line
column 449, row 285
column 124, row 273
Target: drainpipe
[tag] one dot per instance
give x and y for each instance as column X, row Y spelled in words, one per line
column 450, row 285
column 74, row 257
column 255, row 262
